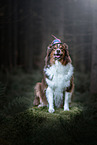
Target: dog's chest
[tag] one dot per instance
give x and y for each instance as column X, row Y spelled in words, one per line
column 59, row 75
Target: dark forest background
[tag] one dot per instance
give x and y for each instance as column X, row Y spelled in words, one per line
column 26, row 28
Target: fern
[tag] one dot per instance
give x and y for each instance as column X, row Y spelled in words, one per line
column 2, row 89
column 2, row 94
column 17, row 105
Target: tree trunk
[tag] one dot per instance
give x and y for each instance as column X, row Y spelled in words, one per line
column 15, row 41
column 10, row 34
column 29, row 40
column 93, row 86
column 60, row 18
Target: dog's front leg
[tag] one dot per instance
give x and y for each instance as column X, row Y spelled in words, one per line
column 67, row 101
column 49, row 95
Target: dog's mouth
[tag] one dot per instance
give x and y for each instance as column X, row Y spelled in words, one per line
column 57, row 56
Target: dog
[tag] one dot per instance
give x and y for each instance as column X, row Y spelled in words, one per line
column 57, row 85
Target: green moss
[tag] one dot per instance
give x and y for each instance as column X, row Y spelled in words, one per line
column 36, row 125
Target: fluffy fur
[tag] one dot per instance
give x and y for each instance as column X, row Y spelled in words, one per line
column 57, row 81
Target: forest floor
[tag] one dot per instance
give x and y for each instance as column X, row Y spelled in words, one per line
column 22, row 124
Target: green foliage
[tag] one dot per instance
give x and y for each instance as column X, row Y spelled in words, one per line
column 22, row 124
column 17, row 105
column 17, row 91
column 38, row 126
column 2, row 94
column 2, row 89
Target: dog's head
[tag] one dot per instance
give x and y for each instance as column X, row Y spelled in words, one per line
column 57, row 51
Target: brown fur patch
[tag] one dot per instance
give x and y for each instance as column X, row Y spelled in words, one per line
column 40, row 94
column 71, row 87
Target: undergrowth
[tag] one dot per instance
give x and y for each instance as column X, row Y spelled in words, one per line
column 23, row 124
column 17, row 91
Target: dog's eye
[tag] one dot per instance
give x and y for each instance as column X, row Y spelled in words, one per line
column 61, row 48
column 54, row 48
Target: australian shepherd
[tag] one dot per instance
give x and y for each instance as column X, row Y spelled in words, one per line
column 57, row 85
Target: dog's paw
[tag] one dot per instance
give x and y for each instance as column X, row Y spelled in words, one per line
column 51, row 110
column 66, row 108
column 40, row 105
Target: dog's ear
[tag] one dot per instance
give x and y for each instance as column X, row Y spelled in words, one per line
column 67, row 58
column 65, row 46
column 47, row 58
column 49, row 47
column 66, row 50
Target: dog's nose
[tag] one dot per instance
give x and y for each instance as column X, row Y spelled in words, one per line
column 58, row 51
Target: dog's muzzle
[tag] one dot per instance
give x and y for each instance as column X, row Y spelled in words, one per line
column 57, row 54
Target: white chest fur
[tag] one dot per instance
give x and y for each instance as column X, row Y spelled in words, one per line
column 59, row 76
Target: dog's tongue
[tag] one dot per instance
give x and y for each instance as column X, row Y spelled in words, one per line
column 57, row 56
